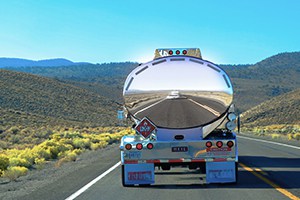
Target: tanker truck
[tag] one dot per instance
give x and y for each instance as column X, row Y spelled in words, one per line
column 183, row 115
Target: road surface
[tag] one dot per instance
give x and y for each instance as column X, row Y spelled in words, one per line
column 267, row 171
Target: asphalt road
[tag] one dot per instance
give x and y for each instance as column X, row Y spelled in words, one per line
column 264, row 166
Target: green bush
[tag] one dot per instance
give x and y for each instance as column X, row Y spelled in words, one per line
column 42, row 152
column 39, row 162
column 275, row 136
column 82, row 143
column 28, row 155
column 290, row 136
column 13, row 130
column 297, row 136
column 69, row 156
column 4, row 162
column 12, row 173
column 21, row 162
column 3, row 145
column 99, row 145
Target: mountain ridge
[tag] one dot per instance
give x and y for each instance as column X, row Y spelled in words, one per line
column 20, row 62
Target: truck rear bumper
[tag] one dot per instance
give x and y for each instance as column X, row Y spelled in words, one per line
column 180, row 161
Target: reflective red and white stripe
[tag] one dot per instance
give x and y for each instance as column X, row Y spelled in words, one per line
column 179, row 160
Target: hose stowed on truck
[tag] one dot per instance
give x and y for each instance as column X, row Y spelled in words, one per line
column 183, row 113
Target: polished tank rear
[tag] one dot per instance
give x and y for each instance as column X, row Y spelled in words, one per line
column 179, row 92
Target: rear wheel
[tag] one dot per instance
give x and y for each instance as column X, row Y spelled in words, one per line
column 236, row 172
column 203, row 168
column 165, row 167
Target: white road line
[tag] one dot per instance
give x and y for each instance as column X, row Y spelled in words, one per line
column 277, row 143
column 148, row 107
column 216, row 113
column 87, row 186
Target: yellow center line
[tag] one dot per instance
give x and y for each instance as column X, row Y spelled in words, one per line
column 274, row 185
column 261, row 171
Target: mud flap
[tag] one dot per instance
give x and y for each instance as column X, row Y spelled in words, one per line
column 139, row 174
column 220, row 172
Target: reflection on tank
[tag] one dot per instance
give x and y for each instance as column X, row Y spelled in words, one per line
column 181, row 93
column 185, row 108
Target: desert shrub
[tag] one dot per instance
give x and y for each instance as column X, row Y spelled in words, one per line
column 105, row 139
column 12, row 173
column 39, row 162
column 275, row 136
column 25, row 131
column 28, row 155
column 66, row 141
column 54, row 151
column 72, row 135
column 15, row 139
column 69, row 156
column 43, row 134
column 4, row 162
column 15, row 161
column 99, row 145
column 297, row 136
column 55, row 148
column 13, row 130
column 290, row 136
column 42, row 152
column 3, row 144
column 78, row 151
column 82, row 143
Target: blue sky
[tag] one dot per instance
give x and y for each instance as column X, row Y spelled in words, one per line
column 97, row 31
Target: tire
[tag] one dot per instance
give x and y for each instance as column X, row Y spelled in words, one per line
column 203, row 168
column 236, row 172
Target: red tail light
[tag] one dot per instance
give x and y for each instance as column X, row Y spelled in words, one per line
column 139, row 146
column 219, row 144
column 184, row 52
column 170, row 52
column 208, row 144
column 128, row 146
column 230, row 144
column 177, row 52
column 150, row 146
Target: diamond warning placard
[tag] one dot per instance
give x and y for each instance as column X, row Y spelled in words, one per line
column 145, row 127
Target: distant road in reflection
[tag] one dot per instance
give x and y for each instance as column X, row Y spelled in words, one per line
column 181, row 112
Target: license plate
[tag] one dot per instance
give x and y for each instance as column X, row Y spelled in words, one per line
column 140, row 176
column 180, row 149
column 134, row 155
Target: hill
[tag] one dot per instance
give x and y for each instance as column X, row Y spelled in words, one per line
column 283, row 109
column 254, row 84
column 18, row 62
column 105, row 79
column 34, row 96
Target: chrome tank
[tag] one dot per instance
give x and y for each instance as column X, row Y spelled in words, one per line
column 179, row 92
